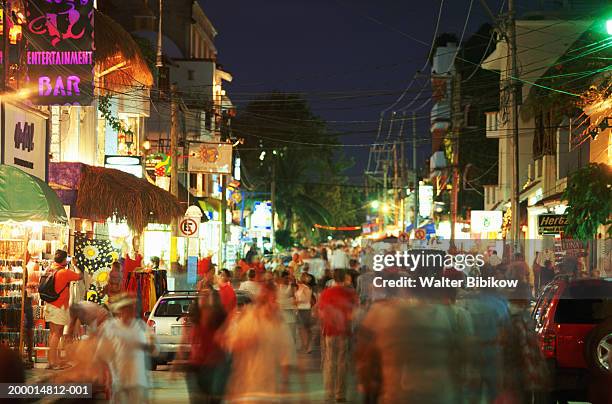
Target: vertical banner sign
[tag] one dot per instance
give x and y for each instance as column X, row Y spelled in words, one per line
column 60, row 51
column 25, row 140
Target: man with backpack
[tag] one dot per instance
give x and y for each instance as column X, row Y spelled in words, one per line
column 54, row 289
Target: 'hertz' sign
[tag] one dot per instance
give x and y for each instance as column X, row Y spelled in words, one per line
column 551, row 224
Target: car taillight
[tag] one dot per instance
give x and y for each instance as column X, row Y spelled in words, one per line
column 549, row 345
column 151, row 323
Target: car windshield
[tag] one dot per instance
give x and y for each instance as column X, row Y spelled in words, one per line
column 585, row 303
column 173, row 307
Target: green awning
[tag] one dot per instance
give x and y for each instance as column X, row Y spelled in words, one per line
column 24, row 197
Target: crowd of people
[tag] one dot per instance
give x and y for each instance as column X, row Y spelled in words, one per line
column 408, row 345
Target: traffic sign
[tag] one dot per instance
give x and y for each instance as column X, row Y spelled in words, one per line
column 420, row 234
column 404, row 237
column 189, row 227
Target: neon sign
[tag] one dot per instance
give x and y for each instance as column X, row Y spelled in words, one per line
column 60, row 54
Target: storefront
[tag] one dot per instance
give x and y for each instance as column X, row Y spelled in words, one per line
column 32, row 226
column 121, row 213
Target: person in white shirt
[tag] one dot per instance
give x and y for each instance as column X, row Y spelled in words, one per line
column 304, row 301
column 338, row 258
column 125, row 344
column 250, row 286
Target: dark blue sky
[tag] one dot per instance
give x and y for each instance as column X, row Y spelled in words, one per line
column 360, row 48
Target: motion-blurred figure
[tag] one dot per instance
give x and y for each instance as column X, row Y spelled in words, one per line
column 262, row 351
column 336, row 307
column 126, row 343
column 208, row 364
column 408, row 350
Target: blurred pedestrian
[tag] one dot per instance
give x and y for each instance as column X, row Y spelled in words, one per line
column 335, row 308
column 305, row 299
column 250, row 285
column 285, row 290
column 12, row 370
column 226, row 291
column 56, row 312
column 494, row 259
column 338, row 258
column 547, row 274
column 408, row 350
column 127, row 343
column 208, row 363
column 262, row 351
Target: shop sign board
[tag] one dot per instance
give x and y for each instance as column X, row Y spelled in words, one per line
column 24, row 140
column 486, row 221
column 551, row 224
column 212, row 158
column 60, row 51
column 189, row 227
column 261, row 218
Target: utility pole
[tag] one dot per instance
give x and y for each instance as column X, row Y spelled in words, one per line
column 401, row 191
column 159, row 62
column 415, row 221
column 514, row 92
column 456, row 125
column 222, row 216
column 384, row 206
column 273, row 202
column 174, row 180
column 395, row 186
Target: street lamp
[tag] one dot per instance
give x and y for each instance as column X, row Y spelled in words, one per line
column 375, row 205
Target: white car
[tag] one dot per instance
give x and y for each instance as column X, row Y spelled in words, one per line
column 169, row 320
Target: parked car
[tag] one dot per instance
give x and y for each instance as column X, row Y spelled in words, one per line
column 574, row 327
column 168, row 320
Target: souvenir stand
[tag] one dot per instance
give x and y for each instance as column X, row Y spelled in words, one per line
column 31, row 227
column 119, row 218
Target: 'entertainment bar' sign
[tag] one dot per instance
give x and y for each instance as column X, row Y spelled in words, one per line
column 60, row 51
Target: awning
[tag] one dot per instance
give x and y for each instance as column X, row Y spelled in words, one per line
column 102, row 193
column 119, row 61
column 24, row 197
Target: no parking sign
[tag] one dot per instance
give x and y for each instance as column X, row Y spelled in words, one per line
column 189, row 227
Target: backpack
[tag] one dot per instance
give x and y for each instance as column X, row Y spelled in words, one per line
column 46, row 287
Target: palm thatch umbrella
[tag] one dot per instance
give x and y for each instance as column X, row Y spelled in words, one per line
column 119, row 61
column 105, row 192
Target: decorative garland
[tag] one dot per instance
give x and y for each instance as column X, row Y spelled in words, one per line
column 104, row 106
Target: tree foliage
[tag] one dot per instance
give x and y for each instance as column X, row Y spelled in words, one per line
column 284, row 140
column 589, row 196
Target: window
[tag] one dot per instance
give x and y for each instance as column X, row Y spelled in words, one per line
column 173, row 307
column 190, row 75
column 585, row 303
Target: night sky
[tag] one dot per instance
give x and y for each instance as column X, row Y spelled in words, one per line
column 365, row 51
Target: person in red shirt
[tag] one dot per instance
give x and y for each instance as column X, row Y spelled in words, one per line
column 56, row 313
column 336, row 306
column 226, row 291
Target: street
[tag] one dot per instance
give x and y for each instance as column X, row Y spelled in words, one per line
column 170, row 388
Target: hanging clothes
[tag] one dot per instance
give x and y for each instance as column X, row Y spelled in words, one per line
column 145, row 285
column 129, row 264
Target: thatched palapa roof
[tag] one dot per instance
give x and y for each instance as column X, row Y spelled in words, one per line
column 118, row 57
column 106, row 192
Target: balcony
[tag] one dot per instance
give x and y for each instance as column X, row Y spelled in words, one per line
column 493, row 124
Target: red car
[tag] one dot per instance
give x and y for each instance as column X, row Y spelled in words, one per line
column 574, row 326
